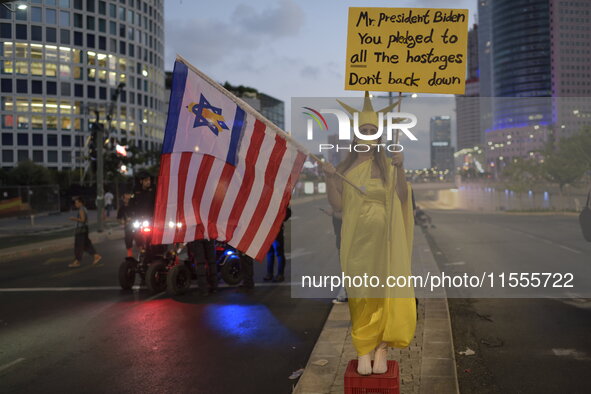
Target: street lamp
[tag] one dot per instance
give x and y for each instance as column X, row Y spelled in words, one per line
column 21, row 5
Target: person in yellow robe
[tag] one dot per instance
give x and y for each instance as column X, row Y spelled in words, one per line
column 376, row 241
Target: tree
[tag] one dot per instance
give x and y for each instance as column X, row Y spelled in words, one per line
column 567, row 161
column 29, row 173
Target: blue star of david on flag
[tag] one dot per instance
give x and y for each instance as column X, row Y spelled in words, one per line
column 208, row 115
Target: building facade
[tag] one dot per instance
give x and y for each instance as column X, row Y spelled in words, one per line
column 540, row 51
column 441, row 149
column 61, row 60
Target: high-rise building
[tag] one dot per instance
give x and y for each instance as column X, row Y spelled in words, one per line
column 270, row 107
column 469, row 132
column 570, row 39
column 60, row 60
column 540, row 53
column 441, row 149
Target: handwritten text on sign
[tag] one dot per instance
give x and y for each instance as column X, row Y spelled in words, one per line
column 407, row 50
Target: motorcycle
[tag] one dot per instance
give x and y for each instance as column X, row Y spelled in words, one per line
column 227, row 265
column 152, row 262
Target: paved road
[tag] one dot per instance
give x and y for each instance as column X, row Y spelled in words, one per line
column 97, row 338
column 533, row 345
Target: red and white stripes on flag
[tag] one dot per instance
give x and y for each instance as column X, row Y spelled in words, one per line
column 237, row 193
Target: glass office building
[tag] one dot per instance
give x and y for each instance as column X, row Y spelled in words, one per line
column 61, row 60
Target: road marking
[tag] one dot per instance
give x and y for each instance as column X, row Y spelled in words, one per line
column 73, row 271
column 5, row 367
column 57, row 260
column 573, row 353
column 546, row 241
column 111, row 288
column 456, row 263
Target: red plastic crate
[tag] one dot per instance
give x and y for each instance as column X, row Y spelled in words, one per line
column 387, row 383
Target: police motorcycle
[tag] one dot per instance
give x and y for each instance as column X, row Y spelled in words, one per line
column 152, row 262
column 227, row 261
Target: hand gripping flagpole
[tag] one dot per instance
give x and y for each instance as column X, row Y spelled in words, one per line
column 245, row 106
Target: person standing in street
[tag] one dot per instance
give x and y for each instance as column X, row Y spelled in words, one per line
column 277, row 249
column 108, row 202
column 202, row 253
column 124, row 217
column 81, row 241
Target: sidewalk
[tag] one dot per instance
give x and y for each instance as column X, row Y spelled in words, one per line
column 426, row 366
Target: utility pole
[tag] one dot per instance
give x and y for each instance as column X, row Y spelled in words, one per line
column 100, row 191
column 100, row 144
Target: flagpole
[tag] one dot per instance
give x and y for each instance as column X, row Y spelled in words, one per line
column 245, row 106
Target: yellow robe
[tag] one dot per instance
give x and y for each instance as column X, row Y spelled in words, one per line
column 376, row 239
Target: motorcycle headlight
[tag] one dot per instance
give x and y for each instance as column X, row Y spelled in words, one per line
column 145, row 223
column 136, row 224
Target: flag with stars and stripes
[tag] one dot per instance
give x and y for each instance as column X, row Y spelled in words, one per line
column 226, row 172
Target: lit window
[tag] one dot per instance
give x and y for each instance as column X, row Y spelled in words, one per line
column 36, row 51
column 102, row 59
column 36, row 68
column 76, row 56
column 102, row 75
column 22, row 68
column 91, row 58
column 21, row 50
column 65, row 71
column 112, row 62
column 7, row 121
column 22, row 122
column 66, row 123
column 51, row 106
column 7, row 67
column 51, row 123
column 50, row 69
column 22, row 105
column 37, row 122
column 65, row 55
column 50, row 53
column 112, row 78
column 65, row 107
column 77, row 73
column 37, row 105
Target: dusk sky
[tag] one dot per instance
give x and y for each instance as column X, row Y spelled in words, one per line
column 285, row 48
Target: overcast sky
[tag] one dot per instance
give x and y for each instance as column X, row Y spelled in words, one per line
column 284, row 48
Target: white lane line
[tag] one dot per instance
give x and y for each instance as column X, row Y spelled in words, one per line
column 546, row 241
column 570, row 249
column 111, row 288
column 456, row 263
column 572, row 353
column 5, row 367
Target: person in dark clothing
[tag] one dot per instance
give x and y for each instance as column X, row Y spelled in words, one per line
column 202, row 253
column 81, row 241
column 124, row 217
column 277, row 249
column 247, row 268
column 144, row 198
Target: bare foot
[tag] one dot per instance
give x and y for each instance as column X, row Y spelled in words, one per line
column 364, row 364
column 380, row 361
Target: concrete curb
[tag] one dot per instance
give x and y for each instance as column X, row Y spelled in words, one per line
column 426, row 366
column 54, row 245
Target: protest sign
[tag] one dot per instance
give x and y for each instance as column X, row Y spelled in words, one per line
column 407, row 50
